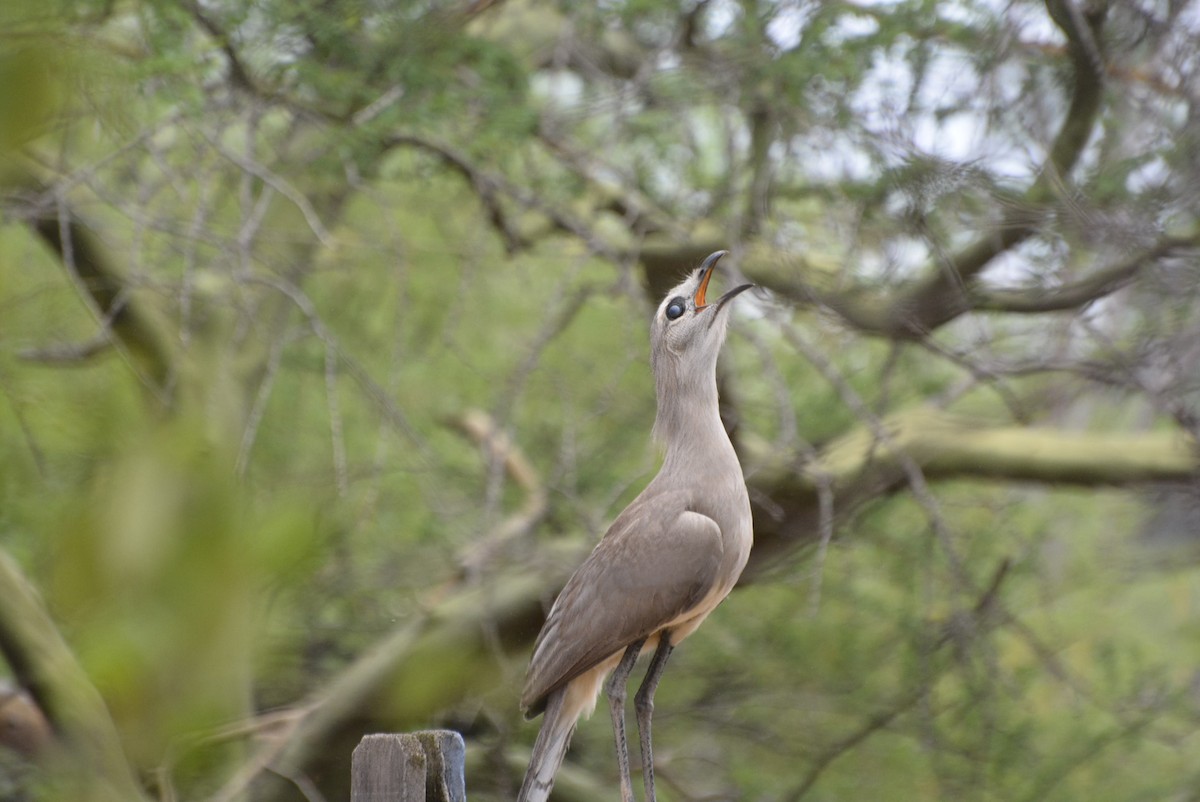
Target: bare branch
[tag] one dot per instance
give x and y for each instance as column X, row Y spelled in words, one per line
column 107, row 293
column 980, row 616
column 861, row 466
column 482, row 430
column 872, row 725
column 238, row 74
column 882, row 440
column 641, row 213
column 915, row 310
column 259, row 407
column 1098, row 284
column 948, row 446
column 356, row 371
column 277, row 183
column 69, row 354
column 486, row 186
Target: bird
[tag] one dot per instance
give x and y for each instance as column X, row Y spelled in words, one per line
column 663, row 565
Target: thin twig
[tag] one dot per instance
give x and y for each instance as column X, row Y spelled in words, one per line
column 335, row 420
column 916, row 477
column 259, row 407
column 278, row 183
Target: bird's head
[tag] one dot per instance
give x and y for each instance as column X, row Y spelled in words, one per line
column 688, row 328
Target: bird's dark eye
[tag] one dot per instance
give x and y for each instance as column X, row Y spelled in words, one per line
column 675, row 308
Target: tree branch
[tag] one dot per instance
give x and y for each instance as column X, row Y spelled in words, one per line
column 44, row 665
column 486, row 186
column 1098, row 284
column 860, row 467
column 640, row 212
column 85, row 258
column 911, row 312
column 481, row 429
column 238, row 74
column 70, row 354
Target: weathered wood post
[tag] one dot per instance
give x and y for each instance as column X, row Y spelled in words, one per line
column 425, row 766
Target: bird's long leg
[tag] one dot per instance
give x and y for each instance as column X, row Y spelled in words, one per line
column 644, row 702
column 615, row 688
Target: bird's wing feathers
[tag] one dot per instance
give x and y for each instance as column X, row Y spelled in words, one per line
column 657, row 561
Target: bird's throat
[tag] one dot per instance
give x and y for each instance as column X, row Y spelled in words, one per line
column 688, row 421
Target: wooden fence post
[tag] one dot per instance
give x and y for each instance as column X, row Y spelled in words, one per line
column 426, row 766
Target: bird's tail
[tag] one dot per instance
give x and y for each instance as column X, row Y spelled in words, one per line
column 549, row 749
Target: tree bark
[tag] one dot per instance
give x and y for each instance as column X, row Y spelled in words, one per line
column 859, row 467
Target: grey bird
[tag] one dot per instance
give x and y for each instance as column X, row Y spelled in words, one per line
column 665, row 563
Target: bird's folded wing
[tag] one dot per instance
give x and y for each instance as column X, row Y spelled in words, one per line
column 656, row 562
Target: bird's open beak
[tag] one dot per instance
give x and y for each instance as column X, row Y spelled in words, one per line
column 710, row 265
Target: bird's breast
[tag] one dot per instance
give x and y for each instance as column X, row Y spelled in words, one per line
column 737, row 538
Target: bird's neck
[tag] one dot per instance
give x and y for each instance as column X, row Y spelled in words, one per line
column 688, row 421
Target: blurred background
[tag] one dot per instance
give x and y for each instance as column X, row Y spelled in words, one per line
column 323, row 361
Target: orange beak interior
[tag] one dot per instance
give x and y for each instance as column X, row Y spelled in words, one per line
column 704, row 286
